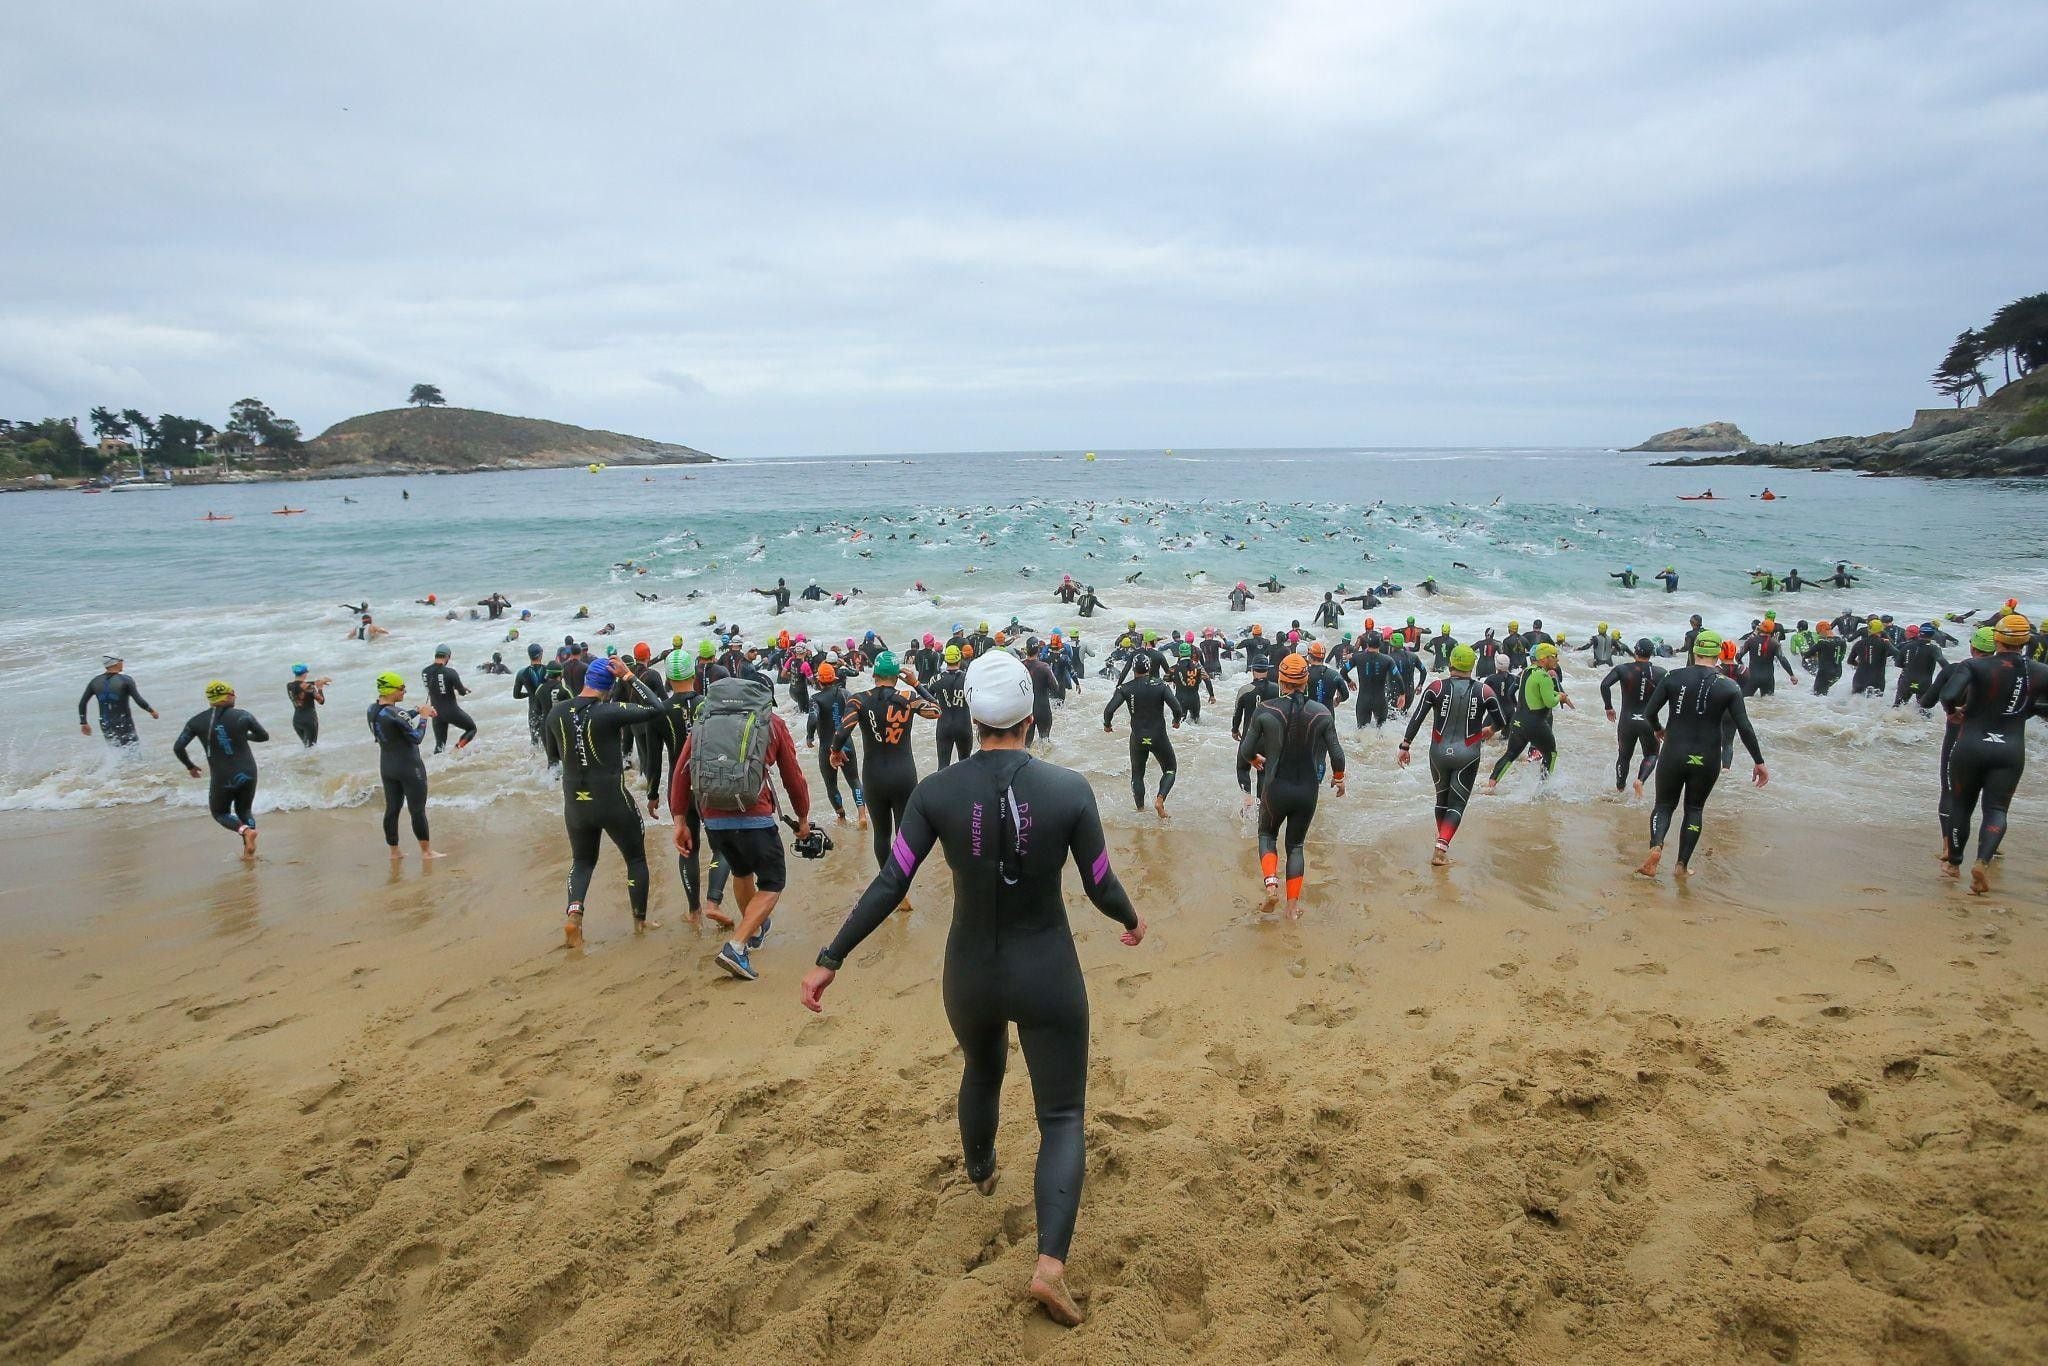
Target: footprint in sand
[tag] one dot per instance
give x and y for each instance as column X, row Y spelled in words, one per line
column 1316, row 1013
column 1503, row 971
column 1646, row 969
column 509, row 1113
column 1876, row 963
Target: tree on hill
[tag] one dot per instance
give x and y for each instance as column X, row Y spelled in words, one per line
column 1959, row 371
column 426, row 396
column 254, row 419
column 106, row 423
column 181, row 440
column 2020, row 331
column 144, row 429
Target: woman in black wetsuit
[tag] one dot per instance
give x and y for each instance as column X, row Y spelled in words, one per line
column 883, row 714
column 1689, row 761
column 398, row 730
column 1467, row 713
column 1008, row 822
column 1993, row 696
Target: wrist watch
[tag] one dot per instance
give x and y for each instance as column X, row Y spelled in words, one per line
column 826, row 960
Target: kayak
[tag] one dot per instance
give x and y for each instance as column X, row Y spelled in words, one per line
column 1699, row 498
column 284, row 512
column 209, row 517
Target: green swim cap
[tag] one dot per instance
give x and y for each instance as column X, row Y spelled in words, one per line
column 1463, row 658
column 1707, row 645
column 1186, row 650
column 1411, row 622
column 886, row 665
column 389, row 682
column 676, row 672
column 706, row 650
column 1151, row 636
column 1984, row 640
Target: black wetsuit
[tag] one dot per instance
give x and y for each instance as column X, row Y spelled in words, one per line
column 1189, row 681
column 398, row 735
column 1826, row 657
column 1008, row 823
column 1440, row 648
column 1326, row 685
column 1532, row 728
column 585, row 735
column 1994, row 695
column 883, row 715
column 1868, row 656
column 828, row 710
column 304, row 696
column 1762, row 656
column 1375, row 674
column 660, row 739
column 225, row 734
column 1637, row 679
column 529, row 683
column 114, row 693
column 1045, row 686
column 1462, row 708
column 1149, row 701
column 1296, row 736
column 1918, row 662
column 444, row 687
column 955, row 726
column 1690, row 761
column 1248, row 699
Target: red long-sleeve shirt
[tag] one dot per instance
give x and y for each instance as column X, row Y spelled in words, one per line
column 782, row 756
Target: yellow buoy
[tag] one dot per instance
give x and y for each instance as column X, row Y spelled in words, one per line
column 1090, row 456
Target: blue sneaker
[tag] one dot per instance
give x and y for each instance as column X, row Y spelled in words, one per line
column 735, row 962
column 754, row 939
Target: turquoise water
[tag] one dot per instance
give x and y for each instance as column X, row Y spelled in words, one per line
column 184, row 600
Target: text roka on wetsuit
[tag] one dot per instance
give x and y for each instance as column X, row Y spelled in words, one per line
column 1008, row 823
column 1690, row 760
column 585, row 736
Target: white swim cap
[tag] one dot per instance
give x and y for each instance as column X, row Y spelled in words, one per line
column 998, row 690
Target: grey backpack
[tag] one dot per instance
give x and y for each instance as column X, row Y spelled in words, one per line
column 729, row 745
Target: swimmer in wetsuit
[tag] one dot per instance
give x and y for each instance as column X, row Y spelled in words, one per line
column 398, row 730
column 114, row 690
column 225, row 732
column 828, row 710
column 883, row 715
column 1190, row 679
column 954, row 728
column 1689, row 762
column 445, row 688
column 1467, row 713
column 527, row 683
column 1149, row 699
column 307, row 696
column 1375, row 673
column 1008, row 823
column 1990, row 698
column 1637, row 679
column 585, row 737
column 1289, row 739
column 1532, row 728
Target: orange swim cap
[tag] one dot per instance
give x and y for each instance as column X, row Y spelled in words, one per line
column 1315, row 649
column 828, row 674
column 1294, row 669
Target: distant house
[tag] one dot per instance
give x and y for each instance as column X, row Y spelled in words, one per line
column 116, row 448
column 230, row 445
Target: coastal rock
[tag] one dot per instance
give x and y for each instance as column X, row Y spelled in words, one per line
column 456, row 440
column 1714, row 436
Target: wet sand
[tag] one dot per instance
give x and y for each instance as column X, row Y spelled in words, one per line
column 1528, row 1108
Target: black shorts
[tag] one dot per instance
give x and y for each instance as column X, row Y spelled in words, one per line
column 755, row 853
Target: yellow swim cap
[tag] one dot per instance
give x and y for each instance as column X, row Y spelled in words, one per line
column 388, row 682
column 1546, row 652
column 216, row 690
column 1603, row 628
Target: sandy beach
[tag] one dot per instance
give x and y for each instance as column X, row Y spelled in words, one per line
column 1529, row 1108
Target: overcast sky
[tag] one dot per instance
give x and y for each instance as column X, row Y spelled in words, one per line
column 793, row 229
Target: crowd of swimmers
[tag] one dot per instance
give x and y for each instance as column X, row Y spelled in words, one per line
column 704, row 728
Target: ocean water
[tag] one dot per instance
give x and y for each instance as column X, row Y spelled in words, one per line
column 1539, row 530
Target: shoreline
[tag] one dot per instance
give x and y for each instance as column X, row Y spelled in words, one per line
column 377, row 471
column 1530, row 1107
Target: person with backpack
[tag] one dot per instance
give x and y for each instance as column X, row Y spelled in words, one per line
column 723, row 773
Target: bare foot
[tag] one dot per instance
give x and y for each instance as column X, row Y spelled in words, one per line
column 839, row 816
column 1681, row 870
column 572, row 928
column 1159, row 805
column 1638, row 786
column 987, row 1184
column 1491, row 787
column 1649, row 868
column 643, row 924
column 694, row 919
column 903, row 908
column 1049, row 1288
column 397, row 854
column 1980, row 878
column 248, row 843
column 1950, row 871
column 1272, row 896
column 1293, row 911
column 718, row 917
column 426, row 853
column 863, row 821
column 1442, row 857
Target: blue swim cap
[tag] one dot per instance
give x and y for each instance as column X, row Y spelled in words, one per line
column 297, row 670
column 533, row 651
column 599, row 675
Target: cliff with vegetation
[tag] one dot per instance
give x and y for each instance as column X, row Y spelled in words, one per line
column 1714, row 436
column 2003, row 437
column 457, row 440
